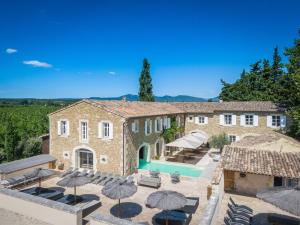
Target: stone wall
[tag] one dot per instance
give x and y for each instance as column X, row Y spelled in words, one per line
column 111, row 149
column 213, row 126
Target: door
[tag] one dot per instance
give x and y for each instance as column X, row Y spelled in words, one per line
column 228, row 180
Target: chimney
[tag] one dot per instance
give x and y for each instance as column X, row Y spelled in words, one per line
column 220, row 100
column 124, row 98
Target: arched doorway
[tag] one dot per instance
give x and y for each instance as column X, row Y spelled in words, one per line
column 84, row 159
column 143, row 155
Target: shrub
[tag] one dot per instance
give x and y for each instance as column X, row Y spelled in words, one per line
column 218, row 141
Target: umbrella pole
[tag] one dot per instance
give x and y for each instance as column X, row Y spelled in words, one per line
column 119, row 208
column 75, row 194
column 167, row 222
column 39, row 189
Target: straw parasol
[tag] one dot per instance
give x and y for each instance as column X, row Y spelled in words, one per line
column 166, row 200
column 287, row 199
column 118, row 190
column 40, row 173
column 74, row 181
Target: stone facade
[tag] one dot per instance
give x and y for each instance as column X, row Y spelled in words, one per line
column 213, row 126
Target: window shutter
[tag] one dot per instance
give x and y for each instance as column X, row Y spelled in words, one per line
column 255, row 120
column 221, row 117
column 206, row 120
column 100, row 130
column 269, row 121
column 150, row 122
column 145, row 127
column 161, row 124
column 196, row 119
column 233, row 119
column 282, row 121
column 137, row 126
column 237, row 138
column 68, row 128
column 133, row 128
column 242, row 118
column 58, row 128
column 111, row 131
column 169, row 122
column 155, row 125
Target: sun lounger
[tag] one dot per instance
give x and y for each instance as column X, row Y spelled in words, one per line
column 149, row 181
column 14, row 181
column 175, row 177
column 51, row 194
column 115, row 178
column 130, row 179
column 75, row 172
column 243, row 216
column 106, row 180
column 240, row 206
column 227, row 221
column 34, row 190
column 174, row 218
column 191, row 205
column 83, row 173
column 237, row 218
column 90, row 174
column 239, row 210
column 69, row 199
column 96, row 176
column 101, row 178
column 154, row 174
column 68, row 171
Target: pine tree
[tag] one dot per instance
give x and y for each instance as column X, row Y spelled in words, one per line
column 145, row 91
column 277, row 65
column 10, row 140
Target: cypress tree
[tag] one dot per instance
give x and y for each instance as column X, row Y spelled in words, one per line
column 145, row 91
column 277, row 65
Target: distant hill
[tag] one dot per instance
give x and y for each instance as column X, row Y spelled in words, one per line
column 165, row 98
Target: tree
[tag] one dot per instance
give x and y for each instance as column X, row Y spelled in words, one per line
column 10, row 140
column 219, row 141
column 145, row 91
column 277, row 66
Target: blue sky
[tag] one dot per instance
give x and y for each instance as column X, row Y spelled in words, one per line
column 53, row 49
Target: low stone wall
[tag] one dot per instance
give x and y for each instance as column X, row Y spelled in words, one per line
column 48, row 211
column 99, row 219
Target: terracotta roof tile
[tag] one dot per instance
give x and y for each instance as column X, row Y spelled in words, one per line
column 271, row 163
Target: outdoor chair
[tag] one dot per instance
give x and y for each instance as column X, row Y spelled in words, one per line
column 68, row 171
column 175, row 177
column 239, row 214
column 34, row 190
column 240, row 206
column 227, row 221
column 109, row 178
column 191, row 205
column 114, row 179
column 149, row 181
column 130, row 179
column 96, row 176
column 75, row 172
column 90, row 174
column 174, row 218
column 83, row 173
column 51, row 194
column 236, row 218
column 104, row 179
column 14, row 181
column 154, row 174
column 239, row 210
column 69, row 199
column 100, row 178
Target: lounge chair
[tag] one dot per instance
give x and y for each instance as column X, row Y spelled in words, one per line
column 90, row 174
column 175, row 177
column 14, row 181
column 149, row 181
column 240, row 206
column 96, row 176
column 227, row 221
column 154, row 174
column 174, row 218
column 240, row 214
column 114, row 179
column 101, row 178
column 75, row 172
column 109, row 178
column 69, row 199
column 237, row 218
column 239, row 210
column 83, row 173
column 51, row 194
column 191, row 205
column 34, row 190
column 68, row 171
column 130, row 179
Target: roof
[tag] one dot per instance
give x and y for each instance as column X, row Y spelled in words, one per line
column 130, row 109
column 240, row 106
column 272, row 141
column 272, row 163
column 25, row 163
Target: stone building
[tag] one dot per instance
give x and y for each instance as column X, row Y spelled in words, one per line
column 113, row 136
column 249, row 171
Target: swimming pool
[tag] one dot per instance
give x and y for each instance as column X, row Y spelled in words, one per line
column 169, row 167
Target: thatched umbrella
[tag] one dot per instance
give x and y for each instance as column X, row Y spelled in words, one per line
column 118, row 190
column 287, row 199
column 40, row 174
column 166, row 200
column 74, row 181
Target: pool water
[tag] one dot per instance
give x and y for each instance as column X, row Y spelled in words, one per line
column 169, row 167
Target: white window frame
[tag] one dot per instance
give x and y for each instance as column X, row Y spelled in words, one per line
column 67, row 128
column 148, row 124
column 249, row 119
column 201, row 121
column 158, row 125
column 135, row 126
column 83, row 140
column 231, row 120
column 102, row 131
column 277, row 120
column 232, row 136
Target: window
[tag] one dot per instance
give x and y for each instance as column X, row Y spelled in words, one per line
column 178, row 121
column 63, row 127
column 106, row 129
column 291, row 182
column 232, row 138
column 84, row 130
column 158, row 125
column 278, row 182
column 275, row 121
column 165, row 123
column 201, row 119
column 85, row 159
column 249, row 120
column 135, row 126
column 148, row 127
column 190, row 118
column 228, row 119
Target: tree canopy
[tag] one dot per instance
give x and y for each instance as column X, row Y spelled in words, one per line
column 145, row 91
column 277, row 82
